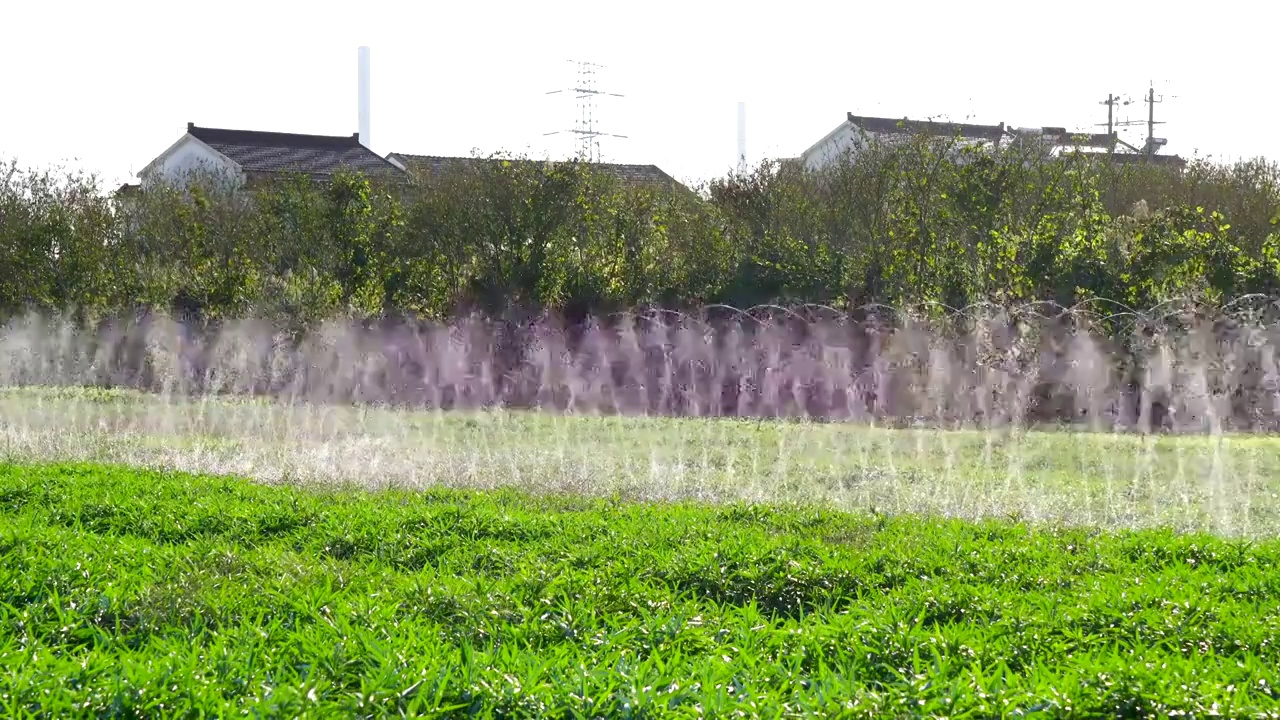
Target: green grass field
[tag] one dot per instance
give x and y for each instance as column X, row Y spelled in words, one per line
column 337, row 561
column 132, row 593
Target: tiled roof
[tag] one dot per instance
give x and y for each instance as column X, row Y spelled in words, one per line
column 1153, row 159
column 276, row 152
column 636, row 175
column 1125, row 158
column 903, row 125
column 1057, row 135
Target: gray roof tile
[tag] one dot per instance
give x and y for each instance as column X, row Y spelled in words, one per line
column 276, row 152
column 903, row 125
column 636, row 175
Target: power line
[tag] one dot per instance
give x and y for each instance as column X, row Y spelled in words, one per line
column 584, row 125
column 1111, row 102
column 1152, row 142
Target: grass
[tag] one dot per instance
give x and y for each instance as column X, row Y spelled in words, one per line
column 1227, row 485
column 138, row 593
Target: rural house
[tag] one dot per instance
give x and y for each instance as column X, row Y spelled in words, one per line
column 247, row 156
column 852, row 135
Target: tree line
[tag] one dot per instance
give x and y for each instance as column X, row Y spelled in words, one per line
column 922, row 220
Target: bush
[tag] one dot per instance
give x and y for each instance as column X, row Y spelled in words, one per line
column 918, row 222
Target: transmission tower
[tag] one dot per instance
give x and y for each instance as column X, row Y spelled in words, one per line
column 584, row 124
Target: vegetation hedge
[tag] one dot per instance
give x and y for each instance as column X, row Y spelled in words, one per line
column 920, row 221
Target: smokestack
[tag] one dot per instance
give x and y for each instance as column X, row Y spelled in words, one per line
column 742, row 138
column 364, row 96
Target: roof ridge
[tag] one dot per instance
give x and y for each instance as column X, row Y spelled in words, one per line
column 647, row 173
column 883, row 124
column 231, row 135
column 501, row 159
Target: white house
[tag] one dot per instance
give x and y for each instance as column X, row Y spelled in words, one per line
column 247, row 155
column 852, row 136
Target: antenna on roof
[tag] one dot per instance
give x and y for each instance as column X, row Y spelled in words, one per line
column 364, row 96
column 584, row 125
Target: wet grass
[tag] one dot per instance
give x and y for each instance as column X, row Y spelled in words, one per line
column 134, row 593
column 1228, row 485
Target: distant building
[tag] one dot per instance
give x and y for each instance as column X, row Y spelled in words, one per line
column 853, row 135
column 247, row 156
column 649, row 176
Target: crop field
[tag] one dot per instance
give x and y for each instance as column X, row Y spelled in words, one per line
column 134, row 593
column 205, row 557
column 949, row 429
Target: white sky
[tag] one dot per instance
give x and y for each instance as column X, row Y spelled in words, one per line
column 107, row 86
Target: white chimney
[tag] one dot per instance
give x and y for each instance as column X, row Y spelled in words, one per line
column 742, row 138
column 364, row 96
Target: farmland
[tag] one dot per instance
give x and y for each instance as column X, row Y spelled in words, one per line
column 136, row 593
column 907, row 436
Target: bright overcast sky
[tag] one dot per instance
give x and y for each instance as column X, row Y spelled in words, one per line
column 107, row 86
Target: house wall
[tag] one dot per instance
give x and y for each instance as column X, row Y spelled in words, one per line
column 846, row 138
column 189, row 157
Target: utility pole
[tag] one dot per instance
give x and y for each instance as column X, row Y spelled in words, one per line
column 1151, row 120
column 1111, row 102
column 1152, row 142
